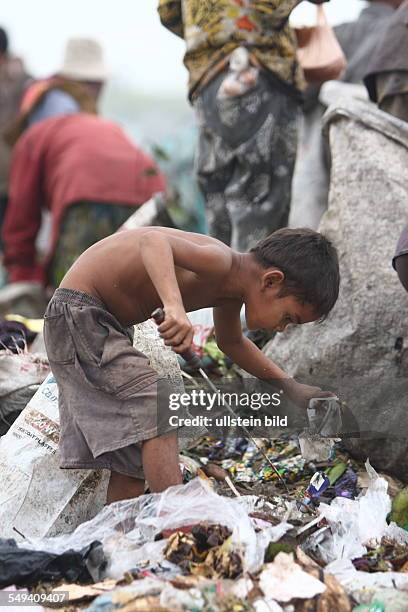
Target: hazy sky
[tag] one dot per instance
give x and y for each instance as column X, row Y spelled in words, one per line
column 139, row 51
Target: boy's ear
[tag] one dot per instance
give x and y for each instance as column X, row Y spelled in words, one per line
column 273, row 278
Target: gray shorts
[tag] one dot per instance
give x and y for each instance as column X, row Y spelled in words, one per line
column 107, row 389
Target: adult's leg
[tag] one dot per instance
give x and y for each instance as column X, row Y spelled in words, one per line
column 213, row 165
column 259, row 192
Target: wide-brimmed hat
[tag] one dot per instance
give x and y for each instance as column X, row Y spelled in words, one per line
column 84, row 61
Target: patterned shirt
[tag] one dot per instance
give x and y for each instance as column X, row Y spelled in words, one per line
column 212, row 29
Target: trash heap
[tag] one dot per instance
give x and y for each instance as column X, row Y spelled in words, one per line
column 323, row 542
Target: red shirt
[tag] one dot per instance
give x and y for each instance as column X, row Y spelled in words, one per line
column 61, row 161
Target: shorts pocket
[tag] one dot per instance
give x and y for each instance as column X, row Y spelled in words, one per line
column 58, row 340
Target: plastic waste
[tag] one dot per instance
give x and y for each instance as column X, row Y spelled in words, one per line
column 346, row 485
column 284, row 580
column 353, row 523
column 127, row 529
column 34, row 492
column 325, row 423
column 27, row 568
column 318, row 485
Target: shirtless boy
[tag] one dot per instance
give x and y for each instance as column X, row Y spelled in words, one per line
column 107, row 389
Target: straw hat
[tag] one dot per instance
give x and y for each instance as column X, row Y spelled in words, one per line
column 84, row 60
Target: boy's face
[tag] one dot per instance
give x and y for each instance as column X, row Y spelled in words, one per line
column 264, row 309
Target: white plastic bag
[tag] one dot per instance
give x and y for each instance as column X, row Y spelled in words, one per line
column 356, row 523
column 124, row 527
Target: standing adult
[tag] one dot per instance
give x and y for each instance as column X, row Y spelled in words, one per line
column 245, row 85
column 311, row 182
column 75, row 88
column 387, row 78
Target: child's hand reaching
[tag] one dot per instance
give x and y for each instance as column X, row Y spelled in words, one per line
column 301, row 394
column 176, row 329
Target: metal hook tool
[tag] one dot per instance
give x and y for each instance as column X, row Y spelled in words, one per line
column 194, row 362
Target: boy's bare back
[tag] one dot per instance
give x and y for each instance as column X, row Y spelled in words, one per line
column 114, row 271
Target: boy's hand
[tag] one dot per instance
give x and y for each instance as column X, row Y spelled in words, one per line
column 176, row 329
column 301, row 394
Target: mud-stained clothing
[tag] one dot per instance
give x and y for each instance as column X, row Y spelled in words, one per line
column 245, row 159
column 108, row 392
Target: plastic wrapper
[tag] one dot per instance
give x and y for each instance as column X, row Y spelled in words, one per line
column 124, row 527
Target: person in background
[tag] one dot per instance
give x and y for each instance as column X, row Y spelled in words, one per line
column 13, row 79
column 245, row 84
column 358, row 40
column 88, row 174
column 75, row 88
column 387, row 78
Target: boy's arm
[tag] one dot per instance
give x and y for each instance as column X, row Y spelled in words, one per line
column 250, row 358
column 160, row 254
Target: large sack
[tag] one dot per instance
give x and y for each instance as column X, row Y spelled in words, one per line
column 361, row 350
column 38, row 498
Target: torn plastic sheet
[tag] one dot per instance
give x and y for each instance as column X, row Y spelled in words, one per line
column 354, row 523
column 124, row 527
column 355, row 581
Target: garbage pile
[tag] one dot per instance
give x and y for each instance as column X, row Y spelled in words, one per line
column 292, row 524
column 325, row 543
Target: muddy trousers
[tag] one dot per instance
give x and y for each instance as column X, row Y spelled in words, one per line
column 245, row 160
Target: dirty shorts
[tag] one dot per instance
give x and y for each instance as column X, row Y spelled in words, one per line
column 107, row 390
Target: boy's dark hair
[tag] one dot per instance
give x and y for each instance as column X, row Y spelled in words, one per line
column 309, row 262
column 3, row 42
